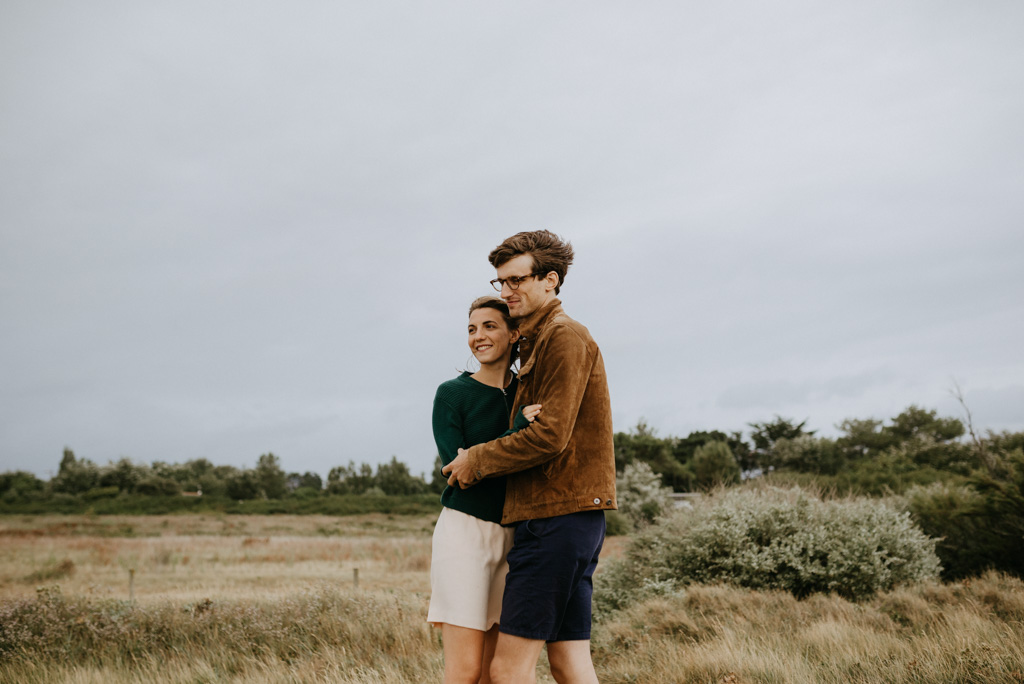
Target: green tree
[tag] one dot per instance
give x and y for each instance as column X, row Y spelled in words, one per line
column 765, row 435
column 808, row 454
column 75, row 476
column 350, row 480
column 437, row 480
column 154, row 485
column 124, row 475
column 862, row 438
column 394, row 478
column 243, row 485
column 714, row 464
column 916, row 422
column 684, row 448
column 307, row 480
column 270, row 476
column 643, row 445
column 16, row 484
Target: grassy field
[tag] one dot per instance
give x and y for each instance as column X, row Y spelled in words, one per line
column 274, row 599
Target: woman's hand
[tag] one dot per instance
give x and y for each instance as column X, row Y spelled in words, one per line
column 530, row 412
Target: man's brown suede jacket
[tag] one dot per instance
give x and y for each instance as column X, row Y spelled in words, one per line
column 564, row 462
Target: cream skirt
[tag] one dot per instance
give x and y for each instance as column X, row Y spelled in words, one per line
column 467, row 570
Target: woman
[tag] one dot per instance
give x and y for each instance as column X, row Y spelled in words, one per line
column 467, row 570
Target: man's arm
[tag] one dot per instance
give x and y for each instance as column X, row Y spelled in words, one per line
column 560, row 379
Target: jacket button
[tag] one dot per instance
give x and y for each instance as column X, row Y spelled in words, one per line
column 608, row 502
column 597, row 502
column 479, row 476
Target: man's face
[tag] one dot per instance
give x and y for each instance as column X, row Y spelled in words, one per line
column 532, row 294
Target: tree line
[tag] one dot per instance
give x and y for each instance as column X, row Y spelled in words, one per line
column 82, row 479
column 869, row 456
column 872, row 457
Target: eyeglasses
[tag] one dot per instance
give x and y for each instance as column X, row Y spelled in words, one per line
column 513, row 282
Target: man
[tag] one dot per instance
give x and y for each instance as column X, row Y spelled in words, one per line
column 561, row 470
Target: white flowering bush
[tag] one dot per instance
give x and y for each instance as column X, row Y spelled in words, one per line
column 641, row 496
column 773, row 539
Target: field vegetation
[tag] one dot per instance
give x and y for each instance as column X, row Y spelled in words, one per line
column 892, row 553
column 275, row 599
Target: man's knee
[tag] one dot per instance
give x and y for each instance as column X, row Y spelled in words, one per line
column 571, row 662
column 512, row 673
column 515, row 660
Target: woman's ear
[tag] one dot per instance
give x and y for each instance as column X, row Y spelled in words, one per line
column 514, row 336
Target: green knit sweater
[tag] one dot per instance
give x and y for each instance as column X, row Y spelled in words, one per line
column 468, row 412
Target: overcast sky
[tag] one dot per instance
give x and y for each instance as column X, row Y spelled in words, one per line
column 230, row 228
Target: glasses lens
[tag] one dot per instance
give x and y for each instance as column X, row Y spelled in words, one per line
column 496, row 284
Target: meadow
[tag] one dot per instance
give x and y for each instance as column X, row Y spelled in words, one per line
column 315, row 598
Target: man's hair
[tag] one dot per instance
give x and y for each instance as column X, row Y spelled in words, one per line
column 549, row 252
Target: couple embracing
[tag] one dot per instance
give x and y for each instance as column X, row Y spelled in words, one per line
column 531, row 470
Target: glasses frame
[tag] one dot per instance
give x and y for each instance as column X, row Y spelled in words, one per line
column 514, row 282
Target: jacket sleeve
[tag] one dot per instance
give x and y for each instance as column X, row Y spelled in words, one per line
column 448, row 434
column 559, row 385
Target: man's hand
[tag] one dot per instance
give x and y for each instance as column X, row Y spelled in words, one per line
column 458, row 471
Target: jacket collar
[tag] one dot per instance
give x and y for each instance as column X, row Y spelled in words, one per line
column 529, row 325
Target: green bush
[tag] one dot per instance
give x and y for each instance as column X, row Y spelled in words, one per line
column 616, row 524
column 955, row 515
column 773, row 539
column 641, row 496
column 981, row 525
column 101, row 493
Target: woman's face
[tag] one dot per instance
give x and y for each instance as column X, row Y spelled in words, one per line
column 489, row 336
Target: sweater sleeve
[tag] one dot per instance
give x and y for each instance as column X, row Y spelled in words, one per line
column 518, row 424
column 448, row 433
column 560, row 388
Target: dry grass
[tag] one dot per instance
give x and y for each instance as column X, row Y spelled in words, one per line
column 182, row 558
column 940, row 634
column 271, row 599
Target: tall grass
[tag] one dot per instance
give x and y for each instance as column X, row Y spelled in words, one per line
column 964, row 633
column 315, row 636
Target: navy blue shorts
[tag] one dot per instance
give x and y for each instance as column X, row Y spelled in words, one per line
column 550, row 577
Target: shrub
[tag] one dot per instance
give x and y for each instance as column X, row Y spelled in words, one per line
column 955, row 515
column 158, row 486
column 981, row 525
column 101, row 493
column 641, row 496
column 616, row 524
column 773, row 539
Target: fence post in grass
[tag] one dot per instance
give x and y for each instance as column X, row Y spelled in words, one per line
column 131, row 585
column 355, row 577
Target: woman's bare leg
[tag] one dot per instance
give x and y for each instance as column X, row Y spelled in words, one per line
column 463, row 654
column 490, row 641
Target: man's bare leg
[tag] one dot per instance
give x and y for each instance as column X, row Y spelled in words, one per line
column 515, row 660
column 571, row 662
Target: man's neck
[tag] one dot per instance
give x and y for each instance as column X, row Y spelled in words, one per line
column 529, row 322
